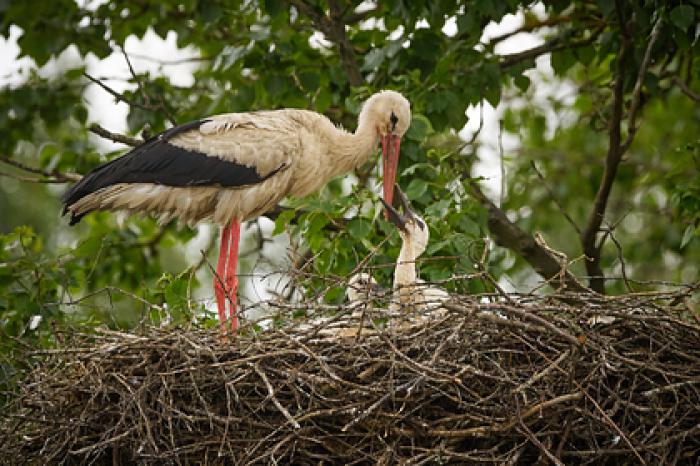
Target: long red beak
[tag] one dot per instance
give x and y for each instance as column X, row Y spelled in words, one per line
column 391, row 144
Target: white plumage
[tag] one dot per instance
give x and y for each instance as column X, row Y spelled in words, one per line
column 234, row 167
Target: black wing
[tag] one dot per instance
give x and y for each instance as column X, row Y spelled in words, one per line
column 159, row 162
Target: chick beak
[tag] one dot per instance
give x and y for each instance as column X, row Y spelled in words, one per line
column 391, row 144
column 393, row 216
column 405, row 203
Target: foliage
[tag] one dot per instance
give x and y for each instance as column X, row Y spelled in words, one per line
column 266, row 54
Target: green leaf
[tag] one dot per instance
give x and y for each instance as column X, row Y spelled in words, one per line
column 683, row 16
column 522, row 82
column 688, row 235
column 416, row 188
column 420, row 128
column 275, row 7
column 359, row 228
column 282, row 221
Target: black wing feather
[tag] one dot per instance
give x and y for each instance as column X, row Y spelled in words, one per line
column 159, row 162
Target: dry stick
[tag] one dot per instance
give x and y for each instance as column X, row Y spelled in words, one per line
column 621, row 258
column 275, row 401
column 542, row 373
column 530, row 435
column 485, row 430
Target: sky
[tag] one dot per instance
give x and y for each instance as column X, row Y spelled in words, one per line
column 145, row 55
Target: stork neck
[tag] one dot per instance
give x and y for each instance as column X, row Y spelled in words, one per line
column 353, row 149
column 405, row 272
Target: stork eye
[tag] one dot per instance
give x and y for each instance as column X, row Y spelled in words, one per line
column 394, row 120
column 420, row 224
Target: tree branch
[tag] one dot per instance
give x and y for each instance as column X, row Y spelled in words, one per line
column 554, row 198
column 116, row 137
column 636, row 94
column 333, row 27
column 592, row 248
column 509, row 235
column 352, row 18
column 685, row 89
column 53, row 176
column 119, row 97
column 553, row 45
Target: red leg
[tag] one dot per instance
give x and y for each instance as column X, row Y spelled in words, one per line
column 231, row 279
column 219, row 277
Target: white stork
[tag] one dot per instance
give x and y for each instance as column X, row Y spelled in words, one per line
column 409, row 290
column 234, row 167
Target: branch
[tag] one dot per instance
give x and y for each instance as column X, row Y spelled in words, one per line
column 509, row 235
column 357, row 17
column 616, row 148
column 636, row 94
column 553, row 45
column 333, row 27
column 53, row 176
column 116, row 137
column 554, row 198
column 529, row 27
column 685, row 89
column 119, row 97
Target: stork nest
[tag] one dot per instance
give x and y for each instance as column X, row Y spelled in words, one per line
column 513, row 380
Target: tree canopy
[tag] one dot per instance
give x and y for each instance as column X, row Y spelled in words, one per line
column 602, row 191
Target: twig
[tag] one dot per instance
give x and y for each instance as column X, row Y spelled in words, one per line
column 686, row 89
column 53, row 176
column 637, row 92
column 275, row 401
column 333, row 26
column 118, row 96
column 116, row 137
column 554, row 198
column 509, row 235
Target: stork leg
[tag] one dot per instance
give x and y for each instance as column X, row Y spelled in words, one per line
column 219, row 278
column 231, row 279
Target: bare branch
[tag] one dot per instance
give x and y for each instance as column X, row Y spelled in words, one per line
column 53, row 176
column 333, row 26
column 509, row 235
column 636, row 94
column 531, row 26
column 553, row 45
column 554, row 198
column 686, row 89
column 116, row 137
column 590, row 247
column 357, row 17
column 118, row 96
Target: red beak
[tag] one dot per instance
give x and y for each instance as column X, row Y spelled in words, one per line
column 390, row 160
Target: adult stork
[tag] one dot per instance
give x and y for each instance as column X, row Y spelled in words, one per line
column 234, row 167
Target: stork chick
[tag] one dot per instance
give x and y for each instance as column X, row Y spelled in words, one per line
column 409, row 290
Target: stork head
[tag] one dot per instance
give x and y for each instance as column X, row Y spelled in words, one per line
column 360, row 287
column 390, row 114
column 412, row 228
